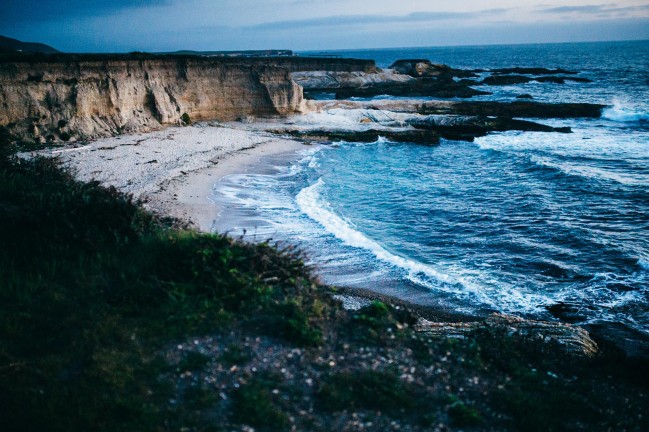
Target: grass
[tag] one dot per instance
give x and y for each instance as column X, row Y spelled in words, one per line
column 193, row 361
column 255, row 405
column 234, row 355
column 90, row 285
column 372, row 390
column 463, row 415
column 372, row 322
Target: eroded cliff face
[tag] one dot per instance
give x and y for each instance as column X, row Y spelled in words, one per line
column 60, row 100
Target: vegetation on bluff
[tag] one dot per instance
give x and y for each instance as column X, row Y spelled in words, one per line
column 114, row 319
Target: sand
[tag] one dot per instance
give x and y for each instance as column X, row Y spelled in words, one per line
column 173, row 171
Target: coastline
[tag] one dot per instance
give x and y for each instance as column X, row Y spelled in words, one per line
column 189, row 197
column 172, row 171
column 180, row 182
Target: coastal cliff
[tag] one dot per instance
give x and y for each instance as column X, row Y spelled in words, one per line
column 80, row 98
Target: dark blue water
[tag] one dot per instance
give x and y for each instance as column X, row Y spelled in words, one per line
column 514, row 222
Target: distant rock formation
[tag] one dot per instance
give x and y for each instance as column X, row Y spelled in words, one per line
column 436, row 80
column 420, row 68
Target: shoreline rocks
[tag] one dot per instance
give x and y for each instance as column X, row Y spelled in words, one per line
column 421, row 68
column 569, row 339
column 521, row 108
column 416, row 136
column 409, row 78
column 496, row 80
column 532, row 71
column 444, row 87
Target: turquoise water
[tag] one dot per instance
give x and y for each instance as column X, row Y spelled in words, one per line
column 514, row 222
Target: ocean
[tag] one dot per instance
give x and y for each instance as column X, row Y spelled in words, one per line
column 524, row 223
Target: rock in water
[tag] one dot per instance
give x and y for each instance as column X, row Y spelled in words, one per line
column 532, row 71
column 421, row 68
column 506, row 80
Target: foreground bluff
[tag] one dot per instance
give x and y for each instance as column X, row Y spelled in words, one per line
column 87, row 97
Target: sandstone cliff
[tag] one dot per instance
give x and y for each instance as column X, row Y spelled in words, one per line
column 60, row 99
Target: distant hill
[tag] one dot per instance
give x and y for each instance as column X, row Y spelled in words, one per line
column 13, row 45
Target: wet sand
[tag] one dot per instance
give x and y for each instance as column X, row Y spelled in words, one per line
column 172, row 171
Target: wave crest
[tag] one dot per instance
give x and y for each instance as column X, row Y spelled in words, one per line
column 309, row 202
column 623, row 114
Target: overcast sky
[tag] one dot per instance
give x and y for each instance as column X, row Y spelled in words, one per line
column 169, row 25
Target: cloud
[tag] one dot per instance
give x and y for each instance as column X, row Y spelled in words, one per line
column 601, row 10
column 348, row 20
column 579, row 9
column 12, row 11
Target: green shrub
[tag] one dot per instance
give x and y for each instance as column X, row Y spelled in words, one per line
column 253, row 405
column 463, row 415
column 368, row 389
column 193, row 361
column 234, row 355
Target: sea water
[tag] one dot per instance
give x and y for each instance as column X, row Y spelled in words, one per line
column 514, row 222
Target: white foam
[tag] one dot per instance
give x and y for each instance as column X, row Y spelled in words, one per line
column 620, row 113
column 644, row 264
column 309, row 202
column 591, row 172
column 354, row 119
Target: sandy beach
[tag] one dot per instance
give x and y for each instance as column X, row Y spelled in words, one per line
column 173, row 171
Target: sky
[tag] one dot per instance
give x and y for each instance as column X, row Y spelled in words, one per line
column 206, row 25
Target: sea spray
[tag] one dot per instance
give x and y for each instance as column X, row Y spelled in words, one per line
column 620, row 112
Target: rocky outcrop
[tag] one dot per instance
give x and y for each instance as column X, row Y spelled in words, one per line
column 410, row 78
column 505, row 80
column 419, row 129
column 514, row 109
column 532, row 71
column 570, row 339
column 332, row 81
column 421, row 68
column 416, row 136
column 444, row 87
column 65, row 97
column 520, row 79
column 467, row 128
column 561, row 79
column 520, row 108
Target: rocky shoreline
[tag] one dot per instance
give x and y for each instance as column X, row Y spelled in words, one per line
column 420, row 122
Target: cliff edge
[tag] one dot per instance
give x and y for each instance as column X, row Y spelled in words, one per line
column 63, row 99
